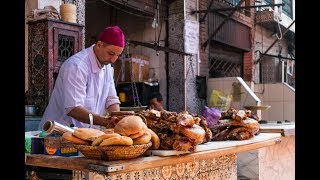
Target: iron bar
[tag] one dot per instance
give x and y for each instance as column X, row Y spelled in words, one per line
column 278, row 56
column 231, row 64
column 286, row 30
column 158, row 48
column 204, row 16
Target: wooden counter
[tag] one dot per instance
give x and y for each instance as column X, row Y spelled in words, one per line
column 110, row 168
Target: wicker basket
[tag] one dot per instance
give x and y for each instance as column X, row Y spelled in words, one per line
column 112, row 152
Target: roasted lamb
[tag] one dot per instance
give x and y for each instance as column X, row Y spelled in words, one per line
column 178, row 131
column 235, row 125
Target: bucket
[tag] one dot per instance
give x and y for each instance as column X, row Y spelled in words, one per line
column 68, row 12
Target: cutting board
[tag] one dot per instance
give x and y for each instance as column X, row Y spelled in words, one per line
column 213, row 145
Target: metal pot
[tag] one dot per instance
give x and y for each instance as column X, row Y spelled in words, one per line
column 31, row 110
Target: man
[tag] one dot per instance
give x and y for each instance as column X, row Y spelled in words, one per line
column 155, row 101
column 84, row 90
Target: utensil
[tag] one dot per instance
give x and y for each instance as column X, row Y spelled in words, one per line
column 265, row 107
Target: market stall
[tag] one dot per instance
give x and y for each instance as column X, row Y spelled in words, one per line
column 217, row 160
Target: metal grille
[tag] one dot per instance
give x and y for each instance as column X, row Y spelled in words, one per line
column 224, row 68
column 65, row 47
column 270, row 70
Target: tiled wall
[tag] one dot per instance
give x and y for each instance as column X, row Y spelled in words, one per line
column 280, row 97
column 182, row 70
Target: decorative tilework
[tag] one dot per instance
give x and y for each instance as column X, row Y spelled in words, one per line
column 81, row 17
column 181, row 93
column 78, row 175
column 223, row 167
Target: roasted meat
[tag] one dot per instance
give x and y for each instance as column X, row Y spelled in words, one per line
column 235, row 125
column 177, row 131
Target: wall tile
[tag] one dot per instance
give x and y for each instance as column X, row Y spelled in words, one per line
column 276, row 92
column 289, row 111
column 288, row 94
column 275, row 111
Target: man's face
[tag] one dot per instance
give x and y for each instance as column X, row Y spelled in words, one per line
column 155, row 104
column 107, row 54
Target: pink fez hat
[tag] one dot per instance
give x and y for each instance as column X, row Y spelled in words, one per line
column 112, row 35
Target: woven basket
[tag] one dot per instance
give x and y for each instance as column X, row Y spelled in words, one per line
column 112, row 152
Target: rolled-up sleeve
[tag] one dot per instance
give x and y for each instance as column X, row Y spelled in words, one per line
column 112, row 100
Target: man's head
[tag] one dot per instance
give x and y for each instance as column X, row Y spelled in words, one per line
column 110, row 45
column 155, row 101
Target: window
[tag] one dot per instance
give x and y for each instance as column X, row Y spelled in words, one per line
column 287, row 8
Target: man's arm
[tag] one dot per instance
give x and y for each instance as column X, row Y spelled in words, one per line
column 113, row 107
column 82, row 114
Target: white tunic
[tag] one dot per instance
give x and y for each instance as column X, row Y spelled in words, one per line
column 80, row 82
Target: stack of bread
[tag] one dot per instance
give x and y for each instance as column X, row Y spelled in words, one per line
column 130, row 130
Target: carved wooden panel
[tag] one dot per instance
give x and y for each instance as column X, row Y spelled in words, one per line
column 50, row 43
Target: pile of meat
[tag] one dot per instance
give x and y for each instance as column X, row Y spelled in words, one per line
column 235, row 125
column 178, row 131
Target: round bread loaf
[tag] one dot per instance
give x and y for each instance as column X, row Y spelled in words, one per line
column 130, row 125
column 144, row 139
column 108, row 131
column 140, row 133
column 154, row 139
column 87, row 134
column 99, row 140
column 117, row 140
column 69, row 137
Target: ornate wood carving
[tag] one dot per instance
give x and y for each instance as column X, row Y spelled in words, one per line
column 50, row 43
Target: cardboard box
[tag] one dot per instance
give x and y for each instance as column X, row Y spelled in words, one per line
column 132, row 64
column 58, row 146
column 145, row 70
column 119, row 68
column 139, row 64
